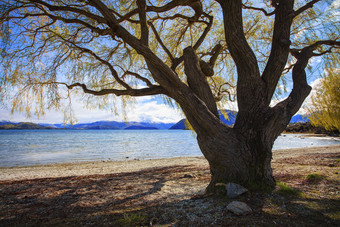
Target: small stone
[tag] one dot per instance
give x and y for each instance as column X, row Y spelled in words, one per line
column 234, row 190
column 239, row 208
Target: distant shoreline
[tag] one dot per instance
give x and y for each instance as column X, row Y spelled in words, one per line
column 111, row 167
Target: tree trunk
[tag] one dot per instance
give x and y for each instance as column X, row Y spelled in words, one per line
column 235, row 158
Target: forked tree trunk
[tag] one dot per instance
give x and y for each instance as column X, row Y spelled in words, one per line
column 238, row 159
column 243, row 154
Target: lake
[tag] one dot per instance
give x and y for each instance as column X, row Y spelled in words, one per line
column 36, row 147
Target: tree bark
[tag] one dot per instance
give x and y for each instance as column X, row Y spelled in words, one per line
column 235, row 158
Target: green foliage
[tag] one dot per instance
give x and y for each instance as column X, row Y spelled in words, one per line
column 132, row 220
column 286, row 190
column 259, row 187
column 325, row 111
column 314, row 178
column 44, row 50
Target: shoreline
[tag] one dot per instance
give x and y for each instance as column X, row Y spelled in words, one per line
column 112, row 167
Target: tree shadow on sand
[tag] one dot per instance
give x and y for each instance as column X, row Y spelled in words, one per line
column 156, row 196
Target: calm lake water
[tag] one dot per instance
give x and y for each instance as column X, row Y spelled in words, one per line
column 35, row 147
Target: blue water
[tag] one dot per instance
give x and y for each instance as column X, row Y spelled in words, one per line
column 36, row 147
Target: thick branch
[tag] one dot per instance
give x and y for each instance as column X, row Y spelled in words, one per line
column 161, row 72
column 143, row 23
column 249, row 84
column 280, row 47
column 155, row 90
column 238, row 46
column 300, row 87
column 165, row 8
column 216, row 51
column 197, row 80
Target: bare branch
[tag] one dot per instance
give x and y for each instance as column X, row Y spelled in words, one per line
column 259, row 9
column 197, row 80
column 305, row 7
column 205, row 33
column 243, row 56
column 215, row 52
column 198, row 43
column 165, row 8
column 145, row 80
column 323, row 52
column 312, row 47
column 280, row 47
column 161, row 72
column 161, row 42
column 143, row 23
column 155, row 90
column 70, row 9
column 86, row 50
column 300, row 87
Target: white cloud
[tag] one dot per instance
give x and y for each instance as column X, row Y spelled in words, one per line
column 146, row 109
column 308, row 101
column 335, row 4
column 230, row 106
column 152, row 111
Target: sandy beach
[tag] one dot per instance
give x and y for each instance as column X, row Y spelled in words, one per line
column 110, row 167
column 164, row 192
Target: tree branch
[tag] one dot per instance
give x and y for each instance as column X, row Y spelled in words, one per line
column 146, row 81
column 280, row 47
column 160, row 71
column 161, row 9
column 198, row 43
column 155, row 90
column 143, row 23
column 161, row 42
column 75, row 21
column 238, row 46
column 305, row 7
column 215, row 52
column 197, row 80
column 249, row 84
column 259, row 9
column 300, row 87
column 86, row 50
column 70, row 9
column 205, row 32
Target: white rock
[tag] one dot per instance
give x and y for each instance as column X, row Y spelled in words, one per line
column 234, row 190
column 239, row 208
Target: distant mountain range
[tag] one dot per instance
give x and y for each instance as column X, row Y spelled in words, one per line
column 21, row 125
column 98, row 125
column 228, row 117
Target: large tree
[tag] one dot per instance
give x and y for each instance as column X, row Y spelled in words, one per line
column 191, row 51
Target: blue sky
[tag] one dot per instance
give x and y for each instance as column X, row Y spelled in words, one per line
column 148, row 109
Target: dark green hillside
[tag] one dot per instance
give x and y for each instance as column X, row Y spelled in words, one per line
column 24, row 125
